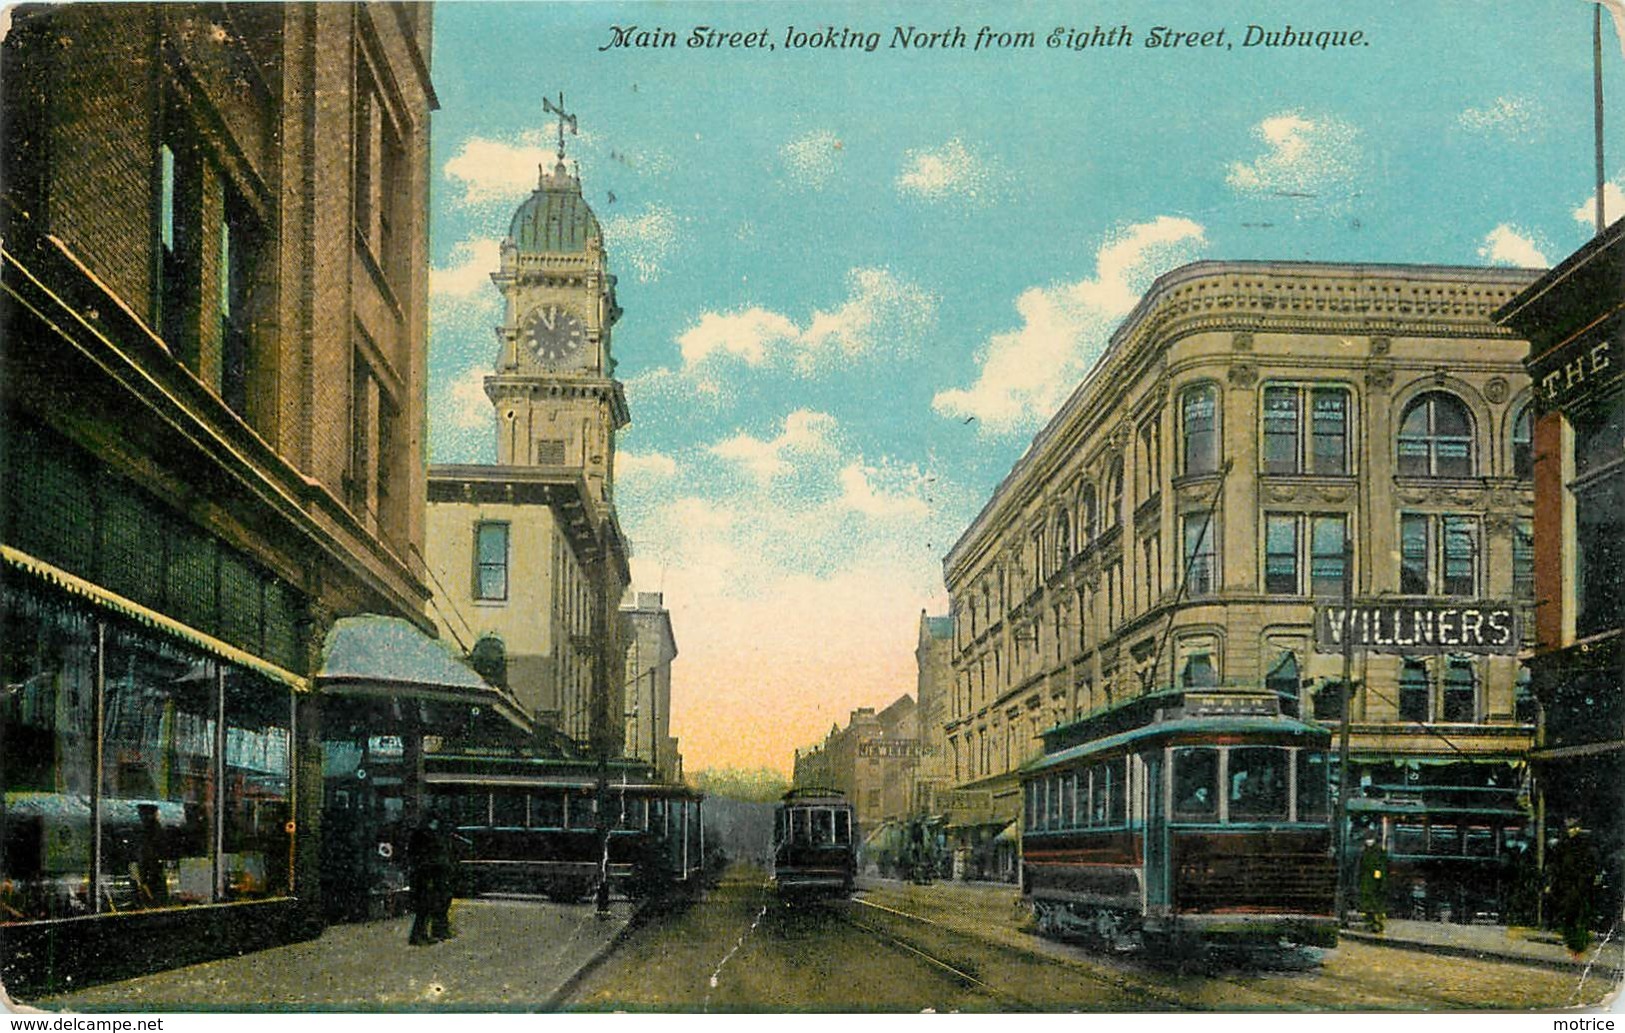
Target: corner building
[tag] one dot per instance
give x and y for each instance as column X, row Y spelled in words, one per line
column 214, row 318
column 1178, row 522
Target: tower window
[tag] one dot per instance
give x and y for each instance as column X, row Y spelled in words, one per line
column 491, row 561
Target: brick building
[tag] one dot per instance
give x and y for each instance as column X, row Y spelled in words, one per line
column 214, row 278
column 872, row 760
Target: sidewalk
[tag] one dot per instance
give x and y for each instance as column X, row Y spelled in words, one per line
column 508, row 955
column 1528, row 946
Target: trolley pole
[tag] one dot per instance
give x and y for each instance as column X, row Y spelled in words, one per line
column 1340, row 834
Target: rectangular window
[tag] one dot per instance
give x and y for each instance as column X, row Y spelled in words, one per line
column 1199, row 555
column 1413, row 554
column 1460, row 692
column 1291, row 446
column 1196, row 781
column 1414, row 695
column 1198, row 422
column 1328, row 561
column 1460, row 558
column 1281, row 554
column 1523, row 559
column 491, row 561
column 1439, row 554
column 180, row 237
column 240, row 243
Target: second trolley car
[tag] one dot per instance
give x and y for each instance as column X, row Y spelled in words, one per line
column 532, row 826
column 814, row 844
column 1182, row 818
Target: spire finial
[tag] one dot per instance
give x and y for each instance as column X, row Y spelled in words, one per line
column 565, row 119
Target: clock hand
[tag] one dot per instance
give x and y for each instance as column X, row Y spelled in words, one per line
column 548, row 317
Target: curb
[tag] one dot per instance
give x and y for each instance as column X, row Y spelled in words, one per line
column 1457, row 951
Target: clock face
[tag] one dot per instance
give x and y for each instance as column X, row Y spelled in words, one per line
column 552, row 332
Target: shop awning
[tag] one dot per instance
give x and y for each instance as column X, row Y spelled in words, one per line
column 373, row 657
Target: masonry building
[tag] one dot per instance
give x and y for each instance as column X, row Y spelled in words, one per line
column 214, row 284
column 1251, row 429
column 650, row 649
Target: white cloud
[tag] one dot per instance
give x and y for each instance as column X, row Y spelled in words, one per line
column 473, row 262
column 950, row 171
column 1028, row 372
column 1613, row 202
column 1508, row 245
column 491, row 170
column 645, row 465
column 859, row 493
column 643, row 241
column 881, row 313
column 805, row 432
column 1512, row 116
column 812, row 160
column 1307, row 158
column 467, row 406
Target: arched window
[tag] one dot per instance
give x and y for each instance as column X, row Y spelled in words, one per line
column 1089, row 510
column 1114, row 494
column 1523, row 443
column 1436, row 437
column 1198, row 411
column 1283, row 680
column 1063, row 540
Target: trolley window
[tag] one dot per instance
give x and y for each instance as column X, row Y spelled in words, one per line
column 1117, row 786
column 580, row 811
column 1410, row 839
column 1258, row 786
column 1444, row 840
column 1196, row 780
column 781, row 826
column 508, row 810
column 799, row 828
column 843, row 827
column 1313, row 798
column 1069, row 782
column 1480, row 842
column 823, row 827
column 546, row 811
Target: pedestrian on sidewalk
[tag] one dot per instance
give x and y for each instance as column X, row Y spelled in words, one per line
column 1574, row 875
column 429, row 864
column 1374, row 884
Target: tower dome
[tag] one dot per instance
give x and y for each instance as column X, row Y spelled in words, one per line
column 555, row 217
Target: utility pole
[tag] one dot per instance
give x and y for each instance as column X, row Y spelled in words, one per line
column 1340, row 833
column 598, row 730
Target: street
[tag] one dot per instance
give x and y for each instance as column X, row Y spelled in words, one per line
column 953, row 947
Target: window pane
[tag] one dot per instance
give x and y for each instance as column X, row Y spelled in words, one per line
column 491, row 558
column 1413, row 692
column 843, row 827
column 1281, row 555
column 1201, row 454
column 259, row 740
column 1523, row 558
column 1281, row 430
column 1523, row 455
column 1258, row 783
column 508, row 810
column 47, row 766
column 1410, row 839
column 1313, row 786
column 1413, row 562
column 823, row 826
column 1117, row 784
column 1198, row 555
column 547, row 810
column 1460, row 691
column 1284, row 680
column 1327, row 562
column 1330, row 430
column 1196, row 779
column 1460, row 555
column 158, row 773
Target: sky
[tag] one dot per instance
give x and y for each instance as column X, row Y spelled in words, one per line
column 856, row 282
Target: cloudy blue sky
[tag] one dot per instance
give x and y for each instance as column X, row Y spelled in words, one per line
column 856, row 283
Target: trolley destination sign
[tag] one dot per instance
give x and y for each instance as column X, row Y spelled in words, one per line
column 1409, row 628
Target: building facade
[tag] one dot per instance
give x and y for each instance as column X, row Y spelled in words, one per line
column 651, row 647
column 1250, row 429
column 933, row 661
column 872, row 760
column 214, row 312
column 527, row 555
column 1574, row 318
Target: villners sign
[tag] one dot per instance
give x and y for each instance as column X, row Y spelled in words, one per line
column 1417, row 628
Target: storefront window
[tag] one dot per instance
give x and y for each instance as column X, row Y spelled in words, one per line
column 158, row 773
column 258, row 761
column 47, row 766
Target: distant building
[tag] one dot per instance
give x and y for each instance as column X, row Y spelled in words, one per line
column 214, row 318
column 527, row 556
column 933, row 660
column 1574, row 317
column 1183, row 516
column 872, row 760
column 651, row 647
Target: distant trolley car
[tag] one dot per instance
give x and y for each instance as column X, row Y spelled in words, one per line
column 530, row 825
column 1181, row 818
column 814, row 844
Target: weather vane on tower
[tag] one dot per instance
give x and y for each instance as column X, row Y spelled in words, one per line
column 565, row 119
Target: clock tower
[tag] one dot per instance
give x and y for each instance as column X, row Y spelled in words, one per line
column 557, row 401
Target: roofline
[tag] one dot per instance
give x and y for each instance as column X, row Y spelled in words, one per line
column 1155, row 294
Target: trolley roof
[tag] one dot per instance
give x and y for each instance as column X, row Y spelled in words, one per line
column 1196, row 730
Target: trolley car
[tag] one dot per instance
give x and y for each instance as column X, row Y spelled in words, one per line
column 814, row 844
column 530, row 825
column 1181, row 818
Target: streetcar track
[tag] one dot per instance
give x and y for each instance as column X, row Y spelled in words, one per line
column 1123, row 986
